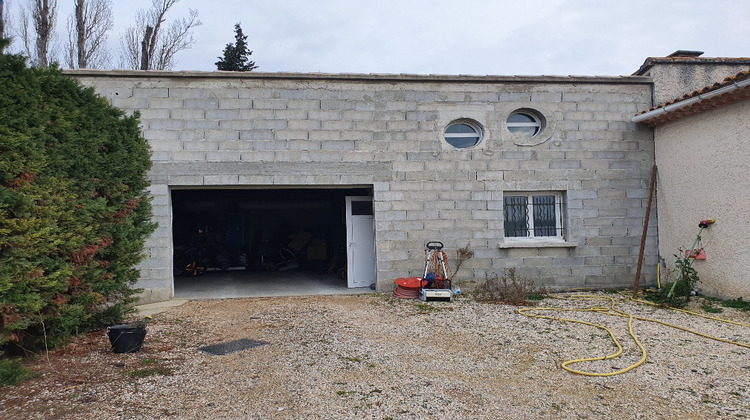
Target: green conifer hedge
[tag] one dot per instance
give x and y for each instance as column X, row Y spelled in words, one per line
column 74, row 207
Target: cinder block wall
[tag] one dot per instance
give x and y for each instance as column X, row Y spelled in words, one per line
column 386, row 131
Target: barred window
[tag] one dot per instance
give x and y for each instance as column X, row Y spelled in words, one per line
column 533, row 215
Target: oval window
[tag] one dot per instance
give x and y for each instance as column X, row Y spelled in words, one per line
column 463, row 134
column 524, row 123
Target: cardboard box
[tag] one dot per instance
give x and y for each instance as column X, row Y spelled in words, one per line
column 316, row 251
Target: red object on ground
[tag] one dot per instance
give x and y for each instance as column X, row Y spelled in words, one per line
column 408, row 287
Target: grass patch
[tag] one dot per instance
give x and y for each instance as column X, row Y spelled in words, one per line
column 426, row 308
column 708, row 307
column 735, row 303
column 146, row 372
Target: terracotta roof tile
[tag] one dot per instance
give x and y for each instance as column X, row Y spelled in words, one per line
column 703, row 104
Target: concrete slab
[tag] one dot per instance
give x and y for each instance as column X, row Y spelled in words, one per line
column 243, row 284
column 158, row 307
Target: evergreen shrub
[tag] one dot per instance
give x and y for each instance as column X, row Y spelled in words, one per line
column 74, row 207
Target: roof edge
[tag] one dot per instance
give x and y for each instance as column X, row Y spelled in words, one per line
column 732, row 89
column 374, row 77
column 651, row 61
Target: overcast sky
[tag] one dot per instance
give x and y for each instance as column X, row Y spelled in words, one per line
column 481, row 37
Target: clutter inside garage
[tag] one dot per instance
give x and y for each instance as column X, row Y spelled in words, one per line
column 260, row 230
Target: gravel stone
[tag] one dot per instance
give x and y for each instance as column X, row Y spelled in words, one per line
column 373, row 356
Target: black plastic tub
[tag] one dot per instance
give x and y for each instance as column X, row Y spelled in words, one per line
column 126, row 338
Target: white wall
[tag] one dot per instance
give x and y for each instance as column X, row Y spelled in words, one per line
column 704, row 173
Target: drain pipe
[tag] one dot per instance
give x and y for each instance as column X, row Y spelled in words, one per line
column 688, row 102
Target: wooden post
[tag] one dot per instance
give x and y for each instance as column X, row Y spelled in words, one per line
column 645, row 230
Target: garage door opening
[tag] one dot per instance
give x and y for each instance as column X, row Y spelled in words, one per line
column 261, row 242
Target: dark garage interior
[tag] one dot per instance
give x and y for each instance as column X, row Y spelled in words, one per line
column 240, row 236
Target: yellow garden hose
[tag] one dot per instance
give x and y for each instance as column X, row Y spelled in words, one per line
column 613, row 311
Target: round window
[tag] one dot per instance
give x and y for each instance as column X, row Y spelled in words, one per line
column 524, row 123
column 463, row 134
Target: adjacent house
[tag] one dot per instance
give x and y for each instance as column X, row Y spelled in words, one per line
column 702, row 151
column 549, row 175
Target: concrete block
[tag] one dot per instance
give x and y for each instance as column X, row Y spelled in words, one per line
column 256, row 114
column 324, row 135
column 236, row 104
column 338, row 145
column 269, row 103
column 337, row 125
column 270, row 145
column 201, row 103
column 186, row 93
column 237, row 125
column 222, row 135
column 269, row 124
column 223, row 156
column 222, row 114
column 323, row 115
column 201, row 124
column 591, row 125
column 250, row 135
column 223, row 93
column 565, row 164
column 230, row 179
column 155, row 136
column 131, row 103
column 546, row 96
column 149, row 92
column 185, row 180
column 337, row 105
column 258, row 156
column 235, row 145
column 165, row 145
column 324, row 156
column 290, row 114
column 186, row 114
column 299, row 137
column 201, row 145
column 305, row 104
column 154, row 114
column 255, row 179
column 359, row 136
column 188, row 156
column 303, row 125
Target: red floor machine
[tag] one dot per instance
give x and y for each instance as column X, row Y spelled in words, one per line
column 437, row 283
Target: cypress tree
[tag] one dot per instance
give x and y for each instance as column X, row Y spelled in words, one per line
column 236, row 56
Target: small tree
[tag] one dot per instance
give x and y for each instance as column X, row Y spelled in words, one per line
column 236, row 57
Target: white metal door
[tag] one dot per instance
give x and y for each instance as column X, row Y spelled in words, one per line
column 360, row 239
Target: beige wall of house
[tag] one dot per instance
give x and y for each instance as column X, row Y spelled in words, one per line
column 703, row 174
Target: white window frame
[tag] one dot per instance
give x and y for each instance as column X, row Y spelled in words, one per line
column 477, row 134
column 537, row 123
column 559, row 210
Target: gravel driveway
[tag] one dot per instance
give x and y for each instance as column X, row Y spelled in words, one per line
column 376, row 357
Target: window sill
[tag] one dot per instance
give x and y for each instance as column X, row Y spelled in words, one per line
column 536, row 244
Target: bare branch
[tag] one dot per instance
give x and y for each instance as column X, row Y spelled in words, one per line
column 2, row 20
column 87, row 33
column 44, row 14
column 149, row 46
